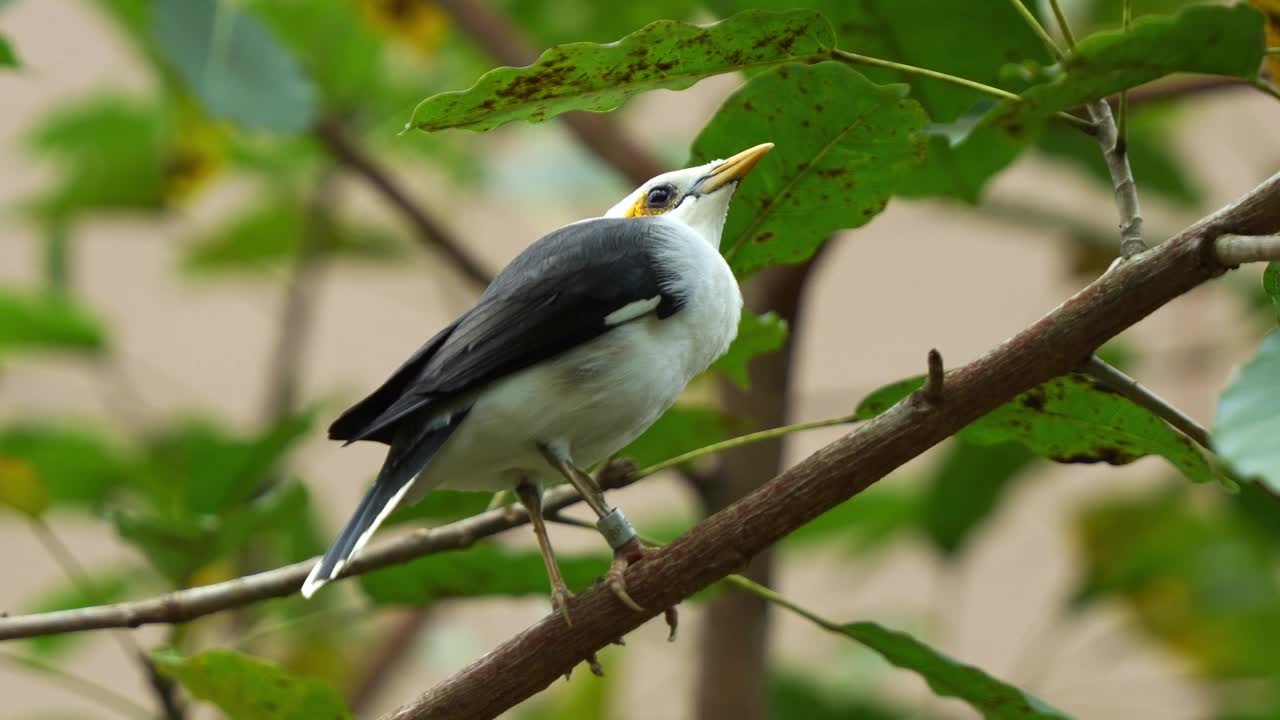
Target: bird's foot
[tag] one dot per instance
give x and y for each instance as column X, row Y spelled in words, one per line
column 593, row 664
column 560, row 603
column 624, row 557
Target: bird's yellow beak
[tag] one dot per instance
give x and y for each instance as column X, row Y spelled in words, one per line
column 733, row 169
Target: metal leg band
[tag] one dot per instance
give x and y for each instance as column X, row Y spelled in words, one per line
column 616, row 529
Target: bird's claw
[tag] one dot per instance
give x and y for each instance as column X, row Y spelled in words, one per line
column 593, row 664
column 623, row 558
column 560, row 603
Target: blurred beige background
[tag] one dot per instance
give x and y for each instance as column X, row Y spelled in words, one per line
column 920, row 276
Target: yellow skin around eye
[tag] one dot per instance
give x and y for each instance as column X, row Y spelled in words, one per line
column 641, row 207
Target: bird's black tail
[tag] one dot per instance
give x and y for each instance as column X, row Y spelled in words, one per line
column 409, row 455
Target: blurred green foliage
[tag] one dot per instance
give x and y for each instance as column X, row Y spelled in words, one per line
column 246, row 688
column 232, row 96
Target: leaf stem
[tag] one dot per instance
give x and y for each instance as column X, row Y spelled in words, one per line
column 1064, row 26
column 1271, row 51
column 1122, row 109
column 1142, row 396
column 82, row 687
column 781, row 601
column 866, row 60
column 741, row 440
column 1037, row 28
column 856, row 59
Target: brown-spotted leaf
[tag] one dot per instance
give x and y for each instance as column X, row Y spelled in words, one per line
column 663, row 55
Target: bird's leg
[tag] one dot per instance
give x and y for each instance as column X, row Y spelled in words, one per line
column 615, row 527
column 531, row 497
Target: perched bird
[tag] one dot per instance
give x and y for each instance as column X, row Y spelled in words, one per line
column 576, row 348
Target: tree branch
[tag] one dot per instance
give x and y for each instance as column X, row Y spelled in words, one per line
column 1054, row 345
column 598, row 133
column 430, row 232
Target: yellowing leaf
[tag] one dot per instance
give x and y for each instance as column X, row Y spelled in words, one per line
column 418, row 23
column 20, row 489
column 1271, row 9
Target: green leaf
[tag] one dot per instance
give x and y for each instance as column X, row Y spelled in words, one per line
column 1069, row 419
column 270, row 234
column 46, row 322
column 481, row 570
column 105, row 587
column 1157, row 166
column 866, row 521
column 180, row 543
column 663, row 55
column 583, row 696
column 965, row 489
column 76, row 467
column 1206, row 39
column 1212, row 39
column 8, row 58
column 996, row 700
column 974, row 39
column 111, row 153
column 246, row 688
column 442, row 506
column 681, row 429
column 886, row 397
column 793, row 696
column 843, row 145
column 757, row 335
column 1247, row 426
column 1192, row 576
column 234, row 64
column 1271, row 284
column 202, row 468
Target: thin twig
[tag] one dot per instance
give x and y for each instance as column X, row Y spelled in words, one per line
column 1126, row 191
column 84, row 688
column 284, row 376
column 1030, row 18
column 1113, row 145
column 164, row 689
column 1135, row 391
column 186, row 605
column 1063, row 25
column 430, row 232
column 1240, row 249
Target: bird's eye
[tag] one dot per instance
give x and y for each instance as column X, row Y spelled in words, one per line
column 659, row 196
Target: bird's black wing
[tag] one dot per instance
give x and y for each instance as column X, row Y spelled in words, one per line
column 556, row 295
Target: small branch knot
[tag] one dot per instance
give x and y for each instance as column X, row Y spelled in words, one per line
column 932, row 390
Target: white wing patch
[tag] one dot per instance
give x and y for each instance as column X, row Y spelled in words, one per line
column 632, row 310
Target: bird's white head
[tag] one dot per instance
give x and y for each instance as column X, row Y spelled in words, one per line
column 697, row 196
